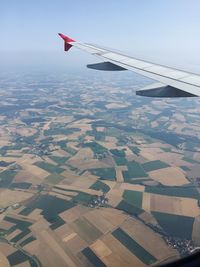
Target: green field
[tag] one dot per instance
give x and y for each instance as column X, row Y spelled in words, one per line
column 133, row 246
column 82, row 198
column 99, row 136
column 175, row 225
column 49, row 167
column 70, row 150
column 96, row 148
column 27, row 240
column 173, row 191
column 60, row 130
column 120, row 161
column 92, row 258
column 57, row 222
column 59, row 160
column 129, row 208
column 134, row 171
column 185, row 168
column 190, row 160
column 86, row 230
column 53, row 178
column 105, row 173
column 6, row 177
column 133, row 197
column 135, row 150
column 98, row 185
column 154, row 165
column 118, row 153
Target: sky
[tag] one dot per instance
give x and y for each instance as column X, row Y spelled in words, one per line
column 163, row 31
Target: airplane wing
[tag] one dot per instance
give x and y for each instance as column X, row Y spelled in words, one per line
column 171, row 82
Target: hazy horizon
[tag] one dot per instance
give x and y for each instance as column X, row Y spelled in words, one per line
column 163, row 32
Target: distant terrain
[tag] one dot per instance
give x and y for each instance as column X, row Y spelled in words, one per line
column 93, row 175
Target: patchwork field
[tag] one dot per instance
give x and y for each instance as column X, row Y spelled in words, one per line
column 91, row 175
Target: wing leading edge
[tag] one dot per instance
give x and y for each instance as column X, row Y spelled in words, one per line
column 172, row 82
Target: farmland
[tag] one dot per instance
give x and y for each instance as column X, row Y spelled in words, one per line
column 91, row 175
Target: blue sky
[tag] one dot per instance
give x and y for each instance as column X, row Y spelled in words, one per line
column 165, row 31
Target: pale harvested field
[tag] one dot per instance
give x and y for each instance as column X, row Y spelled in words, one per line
column 101, row 249
column 146, row 202
column 6, row 249
column 52, row 253
column 87, row 164
column 9, row 197
column 73, row 214
column 23, row 131
column 115, row 197
column 70, row 175
column 196, row 231
column 69, row 237
column 154, row 124
column 149, row 240
column 74, row 135
column 173, row 159
column 3, row 260
column 26, row 176
column 134, row 187
column 60, row 153
column 148, row 218
column 87, row 175
column 76, row 244
column 100, row 129
column 169, row 176
column 108, row 144
column 6, row 225
column 113, row 216
column 46, row 126
column 60, row 137
column 59, row 195
column 119, row 175
column 98, row 220
column 4, row 141
column 39, row 226
column 84, row 182
column 63, row 231
column 120, row 255
column 35, row 215
column 23, row 264
column 69, row 193
column 89, row 138
column 63, row 119
column 39, row 172
column 157, row 145
column 83, row 154
column 116, row 105
column 76, row 188
column 111, row 184
column 174, row 205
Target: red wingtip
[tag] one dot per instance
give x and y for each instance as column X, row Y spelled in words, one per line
column 66, row 38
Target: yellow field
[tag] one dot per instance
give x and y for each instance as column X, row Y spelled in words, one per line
column 174, row 205
column 169, row 176
column 9, row 197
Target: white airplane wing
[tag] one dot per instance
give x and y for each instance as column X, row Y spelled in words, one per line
column 171, row 82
